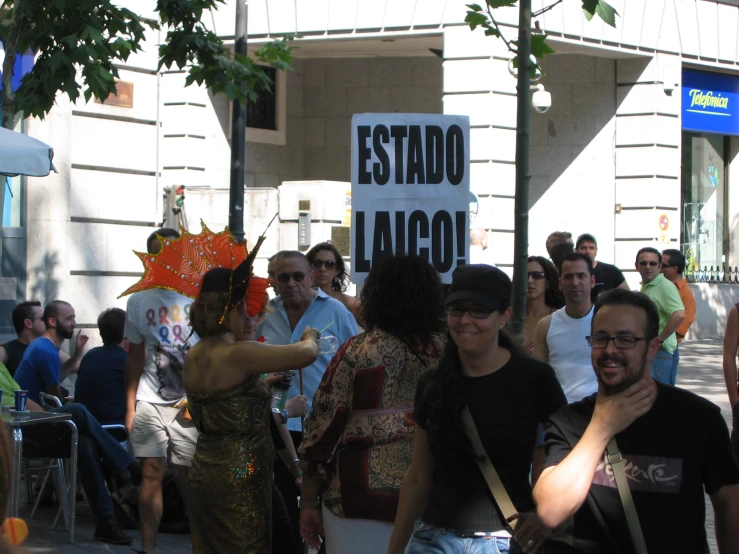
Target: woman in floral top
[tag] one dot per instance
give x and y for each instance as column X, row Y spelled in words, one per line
column 359, row 435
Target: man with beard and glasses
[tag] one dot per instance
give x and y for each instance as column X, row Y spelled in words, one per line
column 40, row 369
column 675, row 446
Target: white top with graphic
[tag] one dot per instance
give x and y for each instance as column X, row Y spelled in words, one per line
column 160, row 318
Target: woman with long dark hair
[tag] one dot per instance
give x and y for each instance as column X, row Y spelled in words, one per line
column 543, row 297
column 359, row 437
column 508, row 395
column 330, row 275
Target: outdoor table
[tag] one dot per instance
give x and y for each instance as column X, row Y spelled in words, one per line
column 16, row 421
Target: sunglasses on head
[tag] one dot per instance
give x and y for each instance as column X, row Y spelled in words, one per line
column 645, row 263
column 318, row 264
column 284, row 278
column 537, row 275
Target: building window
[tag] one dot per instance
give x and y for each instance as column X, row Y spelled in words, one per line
column 704, row 235
column 262, row 113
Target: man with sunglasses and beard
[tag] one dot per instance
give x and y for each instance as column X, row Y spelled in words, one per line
column 297, row 307
column 669, row 307
column 672, row 444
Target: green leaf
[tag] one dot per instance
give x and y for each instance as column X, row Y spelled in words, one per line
column 475, row 19
column 475, row 7
column 539, row 46
column 606, row 12
column 588, row 8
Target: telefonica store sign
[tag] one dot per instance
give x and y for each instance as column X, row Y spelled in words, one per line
column 710, row 102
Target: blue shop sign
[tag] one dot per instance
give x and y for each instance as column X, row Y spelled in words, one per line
column 23, row 64
column 710, row 102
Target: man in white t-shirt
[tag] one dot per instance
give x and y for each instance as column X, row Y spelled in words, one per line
column 159, row 336
column 560, row 338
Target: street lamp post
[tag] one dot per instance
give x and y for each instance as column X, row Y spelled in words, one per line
column 238, row 136
column 523, row 174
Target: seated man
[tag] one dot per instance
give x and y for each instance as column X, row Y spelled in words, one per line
column 40, row 369
column 99, row 384
column 28, row 322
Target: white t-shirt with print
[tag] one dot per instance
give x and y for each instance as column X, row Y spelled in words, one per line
column 160, row 318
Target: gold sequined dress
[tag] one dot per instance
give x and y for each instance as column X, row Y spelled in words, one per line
column 231, row 473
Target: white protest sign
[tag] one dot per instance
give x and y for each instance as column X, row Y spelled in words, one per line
column 410, row 189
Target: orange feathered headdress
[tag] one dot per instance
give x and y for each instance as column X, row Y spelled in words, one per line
column 207, row 262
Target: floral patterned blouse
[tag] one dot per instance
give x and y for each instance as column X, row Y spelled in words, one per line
column 359, row 434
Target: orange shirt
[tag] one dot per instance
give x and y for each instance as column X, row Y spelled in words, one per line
column 686, row 295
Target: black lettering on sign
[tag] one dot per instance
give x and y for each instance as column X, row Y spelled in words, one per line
column 399, row 233
column 461, row 229
column 365, row 154
column 383, row 237
column 381, row 168
column 454, row 155
column 442, row 241
column 434, row 155
column 418, row 228
column 399, row 132
column 361, row 263
column 415, row 157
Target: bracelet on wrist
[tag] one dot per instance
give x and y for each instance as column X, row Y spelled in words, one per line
column 291, row 464
column 298, row 474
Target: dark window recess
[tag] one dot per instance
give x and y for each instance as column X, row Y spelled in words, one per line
column 262, row 113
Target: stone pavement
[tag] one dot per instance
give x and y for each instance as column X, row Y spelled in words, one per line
column 700, row 371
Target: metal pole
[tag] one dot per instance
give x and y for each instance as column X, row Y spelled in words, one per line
column 238, row 136
column 523, row 175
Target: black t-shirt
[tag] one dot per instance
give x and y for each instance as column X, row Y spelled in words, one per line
column 679, row 447
column 15, row 350
column 607, row 277
column 507, row 407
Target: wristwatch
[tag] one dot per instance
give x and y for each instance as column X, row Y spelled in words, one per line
column 284, row 415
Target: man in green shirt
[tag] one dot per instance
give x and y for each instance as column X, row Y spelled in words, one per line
column 670, row 308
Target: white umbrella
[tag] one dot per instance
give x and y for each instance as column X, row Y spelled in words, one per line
column 24, row 155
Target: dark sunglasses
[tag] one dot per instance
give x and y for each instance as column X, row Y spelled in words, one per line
column 458, row 310
column 318, row 264
column 651, row 264
column 537, row 275
column 284, row 278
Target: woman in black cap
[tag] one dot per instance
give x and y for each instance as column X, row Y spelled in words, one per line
column 508, row 395
column 231, row 474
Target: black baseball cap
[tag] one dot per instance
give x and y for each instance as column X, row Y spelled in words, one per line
column 588, row 237
column 484, row 284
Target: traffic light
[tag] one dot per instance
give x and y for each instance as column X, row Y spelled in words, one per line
column 179, row 199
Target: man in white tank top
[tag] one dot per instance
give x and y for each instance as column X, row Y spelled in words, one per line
column 560, row 338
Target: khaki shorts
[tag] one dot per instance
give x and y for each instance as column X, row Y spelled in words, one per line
column 161, row 431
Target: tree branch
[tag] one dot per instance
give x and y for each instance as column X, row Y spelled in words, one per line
column 500, row 32
column 544, row 10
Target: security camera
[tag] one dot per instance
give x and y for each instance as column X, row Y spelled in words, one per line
column 541, row 99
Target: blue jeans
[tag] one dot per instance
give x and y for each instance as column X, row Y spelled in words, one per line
column 675, row 362
column 94, row 443
column 661, row 368
column 427, row 539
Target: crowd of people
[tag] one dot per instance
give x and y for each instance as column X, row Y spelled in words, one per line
column 429, row 430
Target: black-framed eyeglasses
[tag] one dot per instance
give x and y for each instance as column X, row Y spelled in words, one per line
column 645, row 263
column 622, row 342
column 537, row 275
column 318, row 264
column 284, row 278
column 476, row 311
